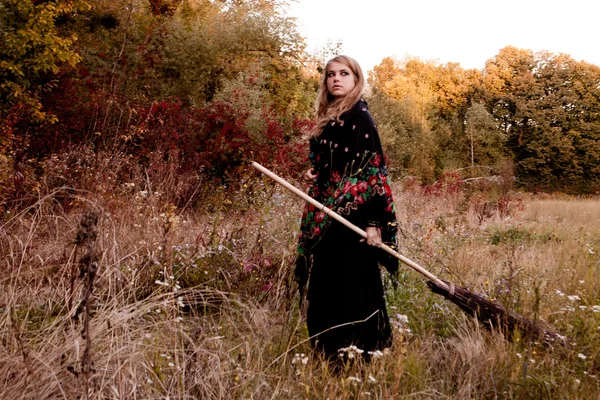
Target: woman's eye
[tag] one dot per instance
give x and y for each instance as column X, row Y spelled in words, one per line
column 344, row 73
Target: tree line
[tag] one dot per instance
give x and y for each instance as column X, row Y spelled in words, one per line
column 537, row 114
column 206, row 85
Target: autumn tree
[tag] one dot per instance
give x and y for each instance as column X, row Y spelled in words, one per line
column 547, row 105
column 485, row 141
column 431, row 101
column 33, row 47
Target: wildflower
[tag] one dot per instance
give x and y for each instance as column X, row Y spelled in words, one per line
column 402, row 318
column 372, row 379
column 561, row 294
column 596, row 309
column 351, row 350
column 582, row 356
column 353, row 379
column 577, row 381
column 574, row 297
column 519, row 355
column 376, row 353
column 300, row 358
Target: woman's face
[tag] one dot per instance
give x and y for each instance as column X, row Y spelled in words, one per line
column 340, row 79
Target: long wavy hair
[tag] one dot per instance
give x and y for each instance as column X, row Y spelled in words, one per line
column 327, row 107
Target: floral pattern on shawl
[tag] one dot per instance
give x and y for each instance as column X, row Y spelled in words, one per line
column 352, row 180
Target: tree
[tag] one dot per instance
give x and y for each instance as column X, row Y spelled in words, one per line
column 33, row 48
column 486, row 141
column 544, row 102
column 432, row 100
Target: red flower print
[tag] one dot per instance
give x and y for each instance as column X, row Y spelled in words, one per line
column 347, row 187
column 376, row 161
column 337, row 193
column 335, row 177
column 383, row 179
column 362, row 186
column 388, row 189
column 389, row 208
column 319, row 217
column 360, row 200
column 354, row 190
column 373, row 180
column 311, row 208
column 316, row 230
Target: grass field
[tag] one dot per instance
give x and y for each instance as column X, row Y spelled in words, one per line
column 153, row 302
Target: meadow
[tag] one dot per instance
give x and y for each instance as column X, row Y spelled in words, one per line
column 123, row 295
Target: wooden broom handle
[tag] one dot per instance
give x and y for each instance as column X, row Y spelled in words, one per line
column 350, row 225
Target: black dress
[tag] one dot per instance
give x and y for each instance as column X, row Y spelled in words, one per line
column 344, row 279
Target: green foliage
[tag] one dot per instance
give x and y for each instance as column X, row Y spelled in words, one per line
column 423, row 110
column 32, row 50
column 485, row 140
column 548, row 106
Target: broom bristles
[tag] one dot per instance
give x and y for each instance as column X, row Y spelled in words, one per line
column 494, row 315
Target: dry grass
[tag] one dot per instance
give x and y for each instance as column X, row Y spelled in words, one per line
column 202, row 305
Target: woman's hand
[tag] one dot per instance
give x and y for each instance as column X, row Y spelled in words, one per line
column 309, row 176
column 373, row 236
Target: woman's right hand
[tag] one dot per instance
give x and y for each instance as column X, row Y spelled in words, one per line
column 309, row 176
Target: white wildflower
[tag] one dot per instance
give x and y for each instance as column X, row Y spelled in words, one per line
column 352, row 351
column 402, row 318
column 376, row 353
column 300, row 358
column 372, row 379
column 582, row 356
column 574, row 297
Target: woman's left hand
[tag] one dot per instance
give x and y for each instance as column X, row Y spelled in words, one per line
column 373, row 236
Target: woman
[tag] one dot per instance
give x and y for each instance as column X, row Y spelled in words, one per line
column 348, row 174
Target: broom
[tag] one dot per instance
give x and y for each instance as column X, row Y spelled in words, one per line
column 486, row 311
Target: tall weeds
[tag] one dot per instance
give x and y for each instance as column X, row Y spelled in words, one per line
column 198, row 302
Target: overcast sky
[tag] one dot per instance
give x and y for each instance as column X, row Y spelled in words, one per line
column 465, row 31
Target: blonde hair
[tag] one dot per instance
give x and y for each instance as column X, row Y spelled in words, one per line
column 327, row 107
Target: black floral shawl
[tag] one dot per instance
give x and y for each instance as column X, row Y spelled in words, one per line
column 352, row 180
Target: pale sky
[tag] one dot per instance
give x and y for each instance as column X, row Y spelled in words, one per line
column 465, row 31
